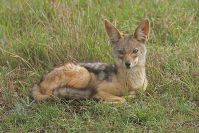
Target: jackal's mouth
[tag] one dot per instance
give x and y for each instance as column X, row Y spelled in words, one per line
column 128, row 67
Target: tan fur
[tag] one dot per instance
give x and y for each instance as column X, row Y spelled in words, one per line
column 71, row 80
column 72, row 75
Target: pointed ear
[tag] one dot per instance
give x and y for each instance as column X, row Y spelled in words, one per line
column 142, row 31
column 112, row 31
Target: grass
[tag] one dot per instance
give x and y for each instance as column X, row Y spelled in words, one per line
column 35, row 35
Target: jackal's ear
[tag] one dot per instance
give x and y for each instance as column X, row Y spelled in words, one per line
column 142, row 31
column 112, row 31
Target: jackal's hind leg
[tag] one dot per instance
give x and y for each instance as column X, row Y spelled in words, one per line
column 68, row 75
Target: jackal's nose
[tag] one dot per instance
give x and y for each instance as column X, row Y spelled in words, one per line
column 127, row 64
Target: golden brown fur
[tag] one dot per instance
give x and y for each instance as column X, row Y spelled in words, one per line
column 100, row 80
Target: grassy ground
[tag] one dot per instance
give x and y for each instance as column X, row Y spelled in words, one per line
column 37, row 34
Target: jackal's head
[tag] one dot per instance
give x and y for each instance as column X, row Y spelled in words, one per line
column 128, row 50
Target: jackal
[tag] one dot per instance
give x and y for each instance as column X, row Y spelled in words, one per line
column 102, row 81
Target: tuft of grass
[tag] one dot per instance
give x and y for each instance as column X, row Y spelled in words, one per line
column 36, row 35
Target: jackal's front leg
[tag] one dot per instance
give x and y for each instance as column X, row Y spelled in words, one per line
column 107, row 97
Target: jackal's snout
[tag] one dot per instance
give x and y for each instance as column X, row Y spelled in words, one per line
column 128, row 64
column 131, row 62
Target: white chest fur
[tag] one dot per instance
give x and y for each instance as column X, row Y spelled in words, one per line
column 136, row 78
column 132, row 79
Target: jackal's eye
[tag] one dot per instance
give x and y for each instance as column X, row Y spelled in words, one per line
column 135, row 51
column 121, row 52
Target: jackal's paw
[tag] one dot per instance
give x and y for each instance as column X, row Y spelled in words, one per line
column 122, row 100
column 130, row 96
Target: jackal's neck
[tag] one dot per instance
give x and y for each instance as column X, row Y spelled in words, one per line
column 132, row 79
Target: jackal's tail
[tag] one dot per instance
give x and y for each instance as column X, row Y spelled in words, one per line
column 74, row 93
column 37, row 94
column 64, row 92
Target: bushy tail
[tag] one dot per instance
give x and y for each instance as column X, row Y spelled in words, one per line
column 74, row 93
column 64, row 92
column 37, row 95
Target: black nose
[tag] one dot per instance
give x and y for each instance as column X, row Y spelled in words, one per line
column 127, row 64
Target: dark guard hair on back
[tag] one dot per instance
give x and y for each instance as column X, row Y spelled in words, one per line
column 103, row 70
